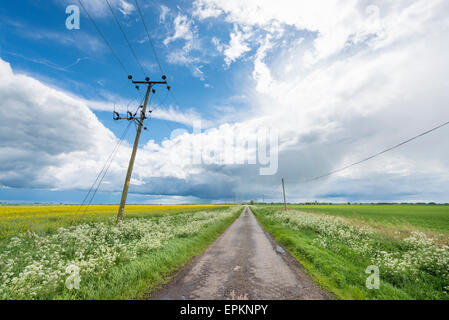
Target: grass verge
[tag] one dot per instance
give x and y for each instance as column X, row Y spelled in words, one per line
column 144, row 275
column 337, row 254
column 125, row 262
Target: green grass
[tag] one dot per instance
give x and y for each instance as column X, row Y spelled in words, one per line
column 139, row 278
column 341, row 269
column 429, row 218
column 140, row 255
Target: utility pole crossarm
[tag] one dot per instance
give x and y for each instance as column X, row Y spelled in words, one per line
column 150, row 82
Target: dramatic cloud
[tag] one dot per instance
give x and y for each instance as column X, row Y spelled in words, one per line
column 336, row 24
column 51, row 134
column 343, row 87
column 59, row 144
column 337, row 81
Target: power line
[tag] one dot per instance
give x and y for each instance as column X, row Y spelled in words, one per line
column 135, row 99
column 162, row 103
column 154, row 50
column 149, row 37
column 174, row 98
column 109, row 159
column 104, row 38
column 108, row 166
column 149, row 84
column 375, row 155
column 107, row 42
column 126, row 38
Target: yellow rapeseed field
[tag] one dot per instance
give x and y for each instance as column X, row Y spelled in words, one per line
column 18, row 219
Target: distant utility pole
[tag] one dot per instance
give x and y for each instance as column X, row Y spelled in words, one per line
column 234, row 196
column 263, row 198
column 149, row 84
column 283, row 190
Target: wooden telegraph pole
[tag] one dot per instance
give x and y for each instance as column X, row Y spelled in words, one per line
column 283, row 190
column 149, row 84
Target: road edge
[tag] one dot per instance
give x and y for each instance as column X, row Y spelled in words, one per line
column 290, row 259
column 176, row 275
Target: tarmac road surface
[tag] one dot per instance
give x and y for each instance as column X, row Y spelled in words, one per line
column 243, row 263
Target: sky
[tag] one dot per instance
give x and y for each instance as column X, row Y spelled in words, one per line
column 320, row 84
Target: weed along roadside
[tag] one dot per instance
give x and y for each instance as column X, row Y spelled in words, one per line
column 341, row 255
column 124, row 262
column 242, row 264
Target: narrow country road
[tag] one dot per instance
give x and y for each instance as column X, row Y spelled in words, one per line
column 243, row 263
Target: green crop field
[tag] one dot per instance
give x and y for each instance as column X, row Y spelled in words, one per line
column 337, row 243
column 433, row 218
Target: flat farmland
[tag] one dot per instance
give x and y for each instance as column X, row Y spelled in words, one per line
column 43, row 247
column 408, row 244
column 18, row 219
column 434, row 218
